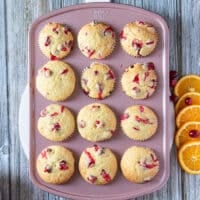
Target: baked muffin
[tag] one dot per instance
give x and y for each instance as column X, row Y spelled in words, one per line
column 138, row 38
column 56, row 122
column 96, row 40
column 139, row 122
column 55, row 165
column 56, row 81
column 139, row 81
column 96, row 122
column 56, row 40
column 139, row 164
column 97, row 80
column 98, row 165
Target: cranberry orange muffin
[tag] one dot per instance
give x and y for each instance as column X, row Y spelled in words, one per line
column 139, row 122
column 96, row 122
column 98, row 165
column 139, row 164
column 139, row 81
column 138, row 38
column 97, row 80
column 56, row 122
column 55, row 41
column 96, row 40
column 55, row 164
column 56, row 81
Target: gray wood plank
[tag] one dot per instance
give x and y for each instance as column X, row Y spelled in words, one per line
column 190, row 16
column 4, row 112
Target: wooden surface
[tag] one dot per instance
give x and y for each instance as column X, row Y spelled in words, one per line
column 183, row 17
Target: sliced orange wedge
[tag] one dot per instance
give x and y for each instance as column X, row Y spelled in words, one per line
column 190, row 131
column 189, row 83
column 189, row 157
column 188, row 114
column 189, row 98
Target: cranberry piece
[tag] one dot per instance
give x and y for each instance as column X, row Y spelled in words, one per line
column 141, row 120
column 105, row 175
column 56, row 127
column 172, row 83
column 173, row 98
column 136, row 79
column 188, row 101
column 52, row 57
column 48, row 41
column 66, row 29
column 91, row 159
column 150, row 66
column 141, row 22
column 172, row 74
column 141, row 108
column 96, row 147
column 136, row 128
column 92, row 179
column 148, row 165
column 63, row 165
column 96, row 72
column 82, row 124
column 65, row 71
column 47, row 169
column 122, row 36
column 62, row 108
column 194, row 133
column 136, row 43
column 63, row 48
column 124, row 116
column 111, row 74
column 108, row 29
column 54, row 114
column 44, row 154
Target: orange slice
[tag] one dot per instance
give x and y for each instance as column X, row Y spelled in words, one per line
column 189, row 98
column 189, row 83
column 189, row 157
column 190, row 131
column 188, row 114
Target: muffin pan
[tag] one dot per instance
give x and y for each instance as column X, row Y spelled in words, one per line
column 117, row 16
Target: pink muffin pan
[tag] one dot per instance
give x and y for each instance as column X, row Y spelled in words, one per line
column 117, row 16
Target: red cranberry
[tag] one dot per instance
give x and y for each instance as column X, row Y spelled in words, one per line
column 62, row 108
column 172, row 83
column 92, row 179
column 47, row 168
column 54, row 114
column 138, row 44
column 105, row 175
column 124, row 116
column 122, row 36
column 194, row 133
column 56, row 127
column 96, row 72
column 63, row 165
column 64, row 71
column 150, row 66
column 172, row 74
column 173, row 98
column 188, row 101
column 136, row 79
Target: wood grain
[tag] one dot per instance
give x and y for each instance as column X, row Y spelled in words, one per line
column 183, row 18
